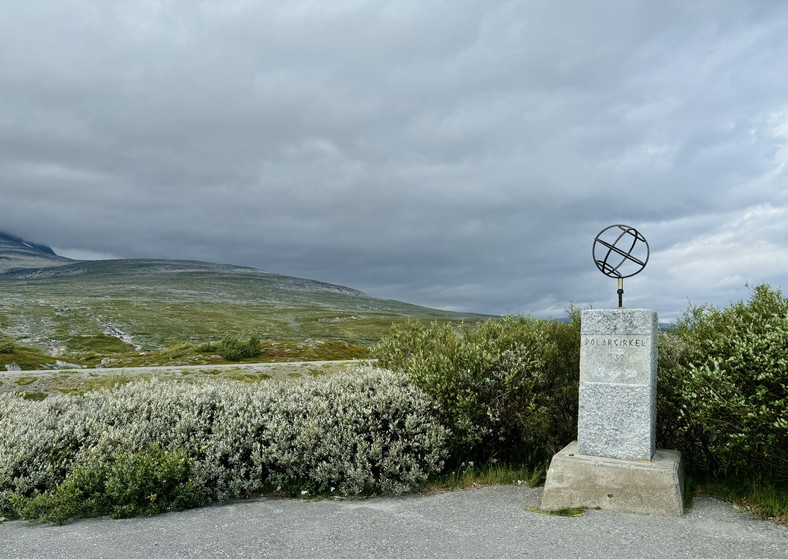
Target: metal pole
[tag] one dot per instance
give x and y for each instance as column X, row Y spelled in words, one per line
column 620, row 292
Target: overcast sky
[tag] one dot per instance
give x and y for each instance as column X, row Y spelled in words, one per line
column 456, row 154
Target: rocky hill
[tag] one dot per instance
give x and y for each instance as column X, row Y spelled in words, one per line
column 16, row 253
column 63, row 306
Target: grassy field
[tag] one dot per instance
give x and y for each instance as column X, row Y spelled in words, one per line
column 147, row 312
column 40, row 385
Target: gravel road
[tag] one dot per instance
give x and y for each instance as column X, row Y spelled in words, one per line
column 487, row 522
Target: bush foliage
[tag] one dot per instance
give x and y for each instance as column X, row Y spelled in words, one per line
column 149, row 446
column 507, row 389
column 723, row 388
column 504, row 389
column 233, row 349
column 136, row 483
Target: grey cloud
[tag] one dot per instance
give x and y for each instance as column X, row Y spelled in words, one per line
column 453, row 154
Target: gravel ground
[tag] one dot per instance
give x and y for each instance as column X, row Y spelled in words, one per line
column 487, row 522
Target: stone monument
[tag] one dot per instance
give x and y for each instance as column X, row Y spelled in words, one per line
column 614, row 464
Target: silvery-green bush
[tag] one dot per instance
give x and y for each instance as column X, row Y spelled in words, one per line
column 366, row 431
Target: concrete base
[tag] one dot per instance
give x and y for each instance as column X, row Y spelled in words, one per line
column 641, row 486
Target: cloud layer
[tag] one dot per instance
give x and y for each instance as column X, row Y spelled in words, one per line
column 460, row 155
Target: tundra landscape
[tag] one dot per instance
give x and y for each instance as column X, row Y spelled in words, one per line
column 285, row 276
column 457, row 401
column 65, row 314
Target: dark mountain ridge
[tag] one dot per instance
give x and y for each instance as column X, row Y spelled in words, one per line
column 16, row 253
column 24, row 246
column 21, row 259
column 128, row 269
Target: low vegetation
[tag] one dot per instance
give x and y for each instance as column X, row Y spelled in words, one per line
column 501, row 394
column 506, row 389
column 724, row 388
column 467, row 475
column 26, row 358
column 233, row 349
column 228, row 350
column 142, row 482
column 145, row 447
column 121, row 308
column 723, row 399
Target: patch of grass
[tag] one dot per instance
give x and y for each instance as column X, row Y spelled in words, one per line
column 335, row 350
column 100, row 344
column 294, row 375
column 179, row 349
column 246, row 377
column 87, row 380
column 37, row 396
column 104, row 382
column 271, row 351
column 469, row 475
column 567, row 512
column 27, row 358
column 761, row 499
column 24, row 381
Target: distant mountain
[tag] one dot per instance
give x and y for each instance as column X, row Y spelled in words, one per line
column 60, row 305
column 662, row 325
column 16, row 253
column 149, row 271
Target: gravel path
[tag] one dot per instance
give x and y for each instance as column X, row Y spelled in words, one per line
column 488, row 522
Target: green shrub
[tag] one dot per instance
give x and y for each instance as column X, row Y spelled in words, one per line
column 506, row 388
column 7, row 346
column 207, row 347
column 723, row 387
column 359, row 432
column 178, row 349
column 233, row 349
column 137, row 483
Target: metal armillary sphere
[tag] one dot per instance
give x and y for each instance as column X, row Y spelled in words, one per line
column 620, row 251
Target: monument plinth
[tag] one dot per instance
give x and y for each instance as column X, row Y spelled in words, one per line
column 614, row 464
column 653, row 486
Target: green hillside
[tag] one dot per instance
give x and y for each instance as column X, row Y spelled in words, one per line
column 111, row 308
